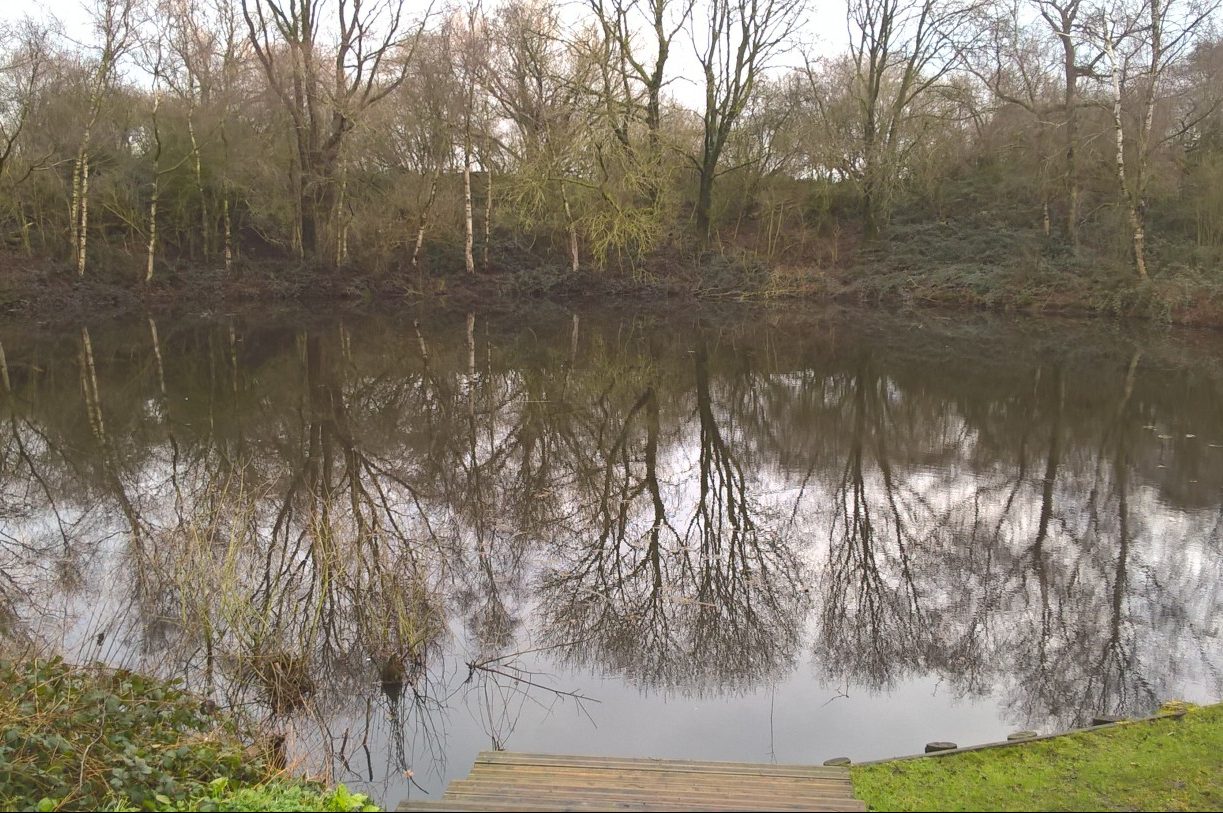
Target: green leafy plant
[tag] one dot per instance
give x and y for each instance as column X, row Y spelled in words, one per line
column 89, row 738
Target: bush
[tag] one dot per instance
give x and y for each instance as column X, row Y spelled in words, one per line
column 74, row 738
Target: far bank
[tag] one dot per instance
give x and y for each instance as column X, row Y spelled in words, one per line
column 924, row 266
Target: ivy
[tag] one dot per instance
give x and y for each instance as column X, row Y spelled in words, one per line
column 76, row 738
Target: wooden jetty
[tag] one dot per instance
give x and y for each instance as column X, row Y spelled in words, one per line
column 505, row 780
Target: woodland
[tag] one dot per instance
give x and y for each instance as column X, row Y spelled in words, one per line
column 1029, row 153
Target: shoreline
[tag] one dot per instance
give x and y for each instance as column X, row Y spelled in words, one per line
column 1164, row 762
column 47, row 294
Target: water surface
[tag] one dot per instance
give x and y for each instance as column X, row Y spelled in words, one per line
column 745, row 534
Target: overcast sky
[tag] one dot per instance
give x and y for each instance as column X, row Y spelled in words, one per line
column 822, row 32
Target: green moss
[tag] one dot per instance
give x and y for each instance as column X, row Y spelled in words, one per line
column 1171, row 764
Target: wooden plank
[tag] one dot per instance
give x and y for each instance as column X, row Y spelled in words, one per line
column 454, row 804
column 694, row 789
column 798, row 771
column 498, row 801
column 647, row 796
column 841, row 775
column 511, row 781
column 720, row 791
column 534, row 773
column 518, row 756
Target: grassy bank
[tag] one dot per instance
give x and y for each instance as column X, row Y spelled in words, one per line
column 927, row 264
column 88, row 738
column 1170, row 764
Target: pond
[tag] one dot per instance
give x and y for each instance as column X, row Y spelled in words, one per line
column 757, row 534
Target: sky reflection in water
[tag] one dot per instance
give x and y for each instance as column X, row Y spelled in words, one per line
column 744, row 534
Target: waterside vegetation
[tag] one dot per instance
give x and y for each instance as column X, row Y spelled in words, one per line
column 1036, row 154
column 93, row 738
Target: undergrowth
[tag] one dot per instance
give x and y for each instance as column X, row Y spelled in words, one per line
column 92, row 738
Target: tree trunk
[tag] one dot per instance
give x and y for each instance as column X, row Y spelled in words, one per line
column 1140, row 242
column 1071, row 104
column 148, row 271
column 74, row 208
column 423, row 222
column 161, row 370
column 8, row 386
column 704, row 205
column 488, row 214
column 1134, row 214
column 471, row 347
column 341, row 240
column 206, row 227
column 870, row 211
column 574, row 252
column 229, row 237
column 309, row 221
column 152, row 252
column 82, row 244
column 468, row 230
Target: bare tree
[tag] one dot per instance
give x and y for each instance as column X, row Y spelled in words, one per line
column 114, row 25
column 1061, row 17
column 468, row 42
column 1141, row 44
column 324, row 101
column 663, row 19
column 1017, row 62
column 739, row 40
column 900, row 50
column 22, row 74
column 24, row 70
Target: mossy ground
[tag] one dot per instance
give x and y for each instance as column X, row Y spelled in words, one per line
column 1169, row 764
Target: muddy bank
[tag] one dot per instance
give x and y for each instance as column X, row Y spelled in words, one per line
column 45, row 292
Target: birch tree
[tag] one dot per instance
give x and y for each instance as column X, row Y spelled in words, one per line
column 114, row 24
column 1141, row 44
column 468, row 50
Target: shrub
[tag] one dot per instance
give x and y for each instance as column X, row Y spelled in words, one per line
column 90, row 738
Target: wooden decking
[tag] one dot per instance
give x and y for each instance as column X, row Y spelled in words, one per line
column 503, row 780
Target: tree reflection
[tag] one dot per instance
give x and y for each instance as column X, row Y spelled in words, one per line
column 352, row 528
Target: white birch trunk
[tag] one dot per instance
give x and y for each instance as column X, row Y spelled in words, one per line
column 74, row 208
column 82, row 243
column 468, row 233
column 1127, row 195
column 488, row 214
column 89, row 384
column 148, row 270
column 152, row 252
column 161, row 370
column 423, row 223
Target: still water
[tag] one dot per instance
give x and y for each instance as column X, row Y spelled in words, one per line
column 738, row 534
